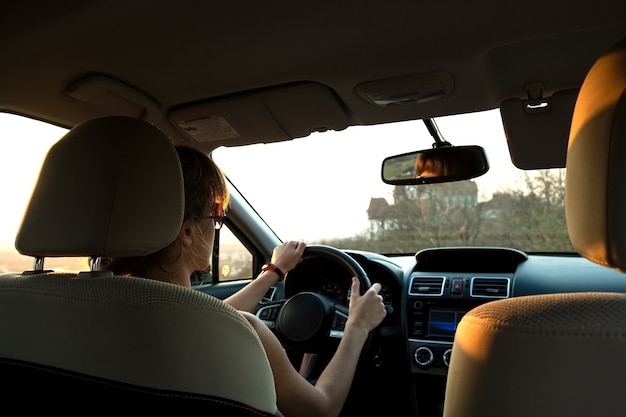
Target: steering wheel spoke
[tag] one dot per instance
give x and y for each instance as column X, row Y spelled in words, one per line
column 339, row 322
column 268, row 313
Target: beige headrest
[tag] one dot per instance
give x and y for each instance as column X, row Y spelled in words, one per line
column 595, row 188
column 111, row 186
column 540, row 355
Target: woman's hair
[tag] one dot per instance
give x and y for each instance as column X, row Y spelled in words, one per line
column 206, row 193
column 426, row 164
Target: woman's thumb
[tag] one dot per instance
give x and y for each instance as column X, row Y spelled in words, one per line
column 355, row 291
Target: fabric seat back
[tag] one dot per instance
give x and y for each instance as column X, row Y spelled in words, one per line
column 113, row 187
column 561, row 354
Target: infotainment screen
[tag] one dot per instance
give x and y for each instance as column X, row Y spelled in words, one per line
column 442, row 323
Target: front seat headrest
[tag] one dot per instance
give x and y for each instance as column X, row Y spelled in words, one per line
column 112, row 186
column 595, row 186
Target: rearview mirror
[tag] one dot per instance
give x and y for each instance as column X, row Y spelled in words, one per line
column 442, row 164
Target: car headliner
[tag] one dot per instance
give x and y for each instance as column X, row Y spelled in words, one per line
column 68, row 61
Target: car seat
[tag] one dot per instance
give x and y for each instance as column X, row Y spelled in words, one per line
column 96, row 342
column 561, row 354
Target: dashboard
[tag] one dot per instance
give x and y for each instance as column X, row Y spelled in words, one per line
column 427, row 295
column 444, row 285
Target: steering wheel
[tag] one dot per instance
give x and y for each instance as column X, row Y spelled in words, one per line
column 309, row 322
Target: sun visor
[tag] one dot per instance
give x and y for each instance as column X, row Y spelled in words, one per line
column 537, row 130
column 269, row 115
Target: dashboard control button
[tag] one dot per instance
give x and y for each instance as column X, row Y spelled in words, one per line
column 423, row 356
column 446, row 357
column 457, row 286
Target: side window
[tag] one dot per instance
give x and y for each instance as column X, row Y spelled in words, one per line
column 235, row 260
column 23, row 147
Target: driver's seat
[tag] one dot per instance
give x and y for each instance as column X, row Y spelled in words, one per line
column 94, row 341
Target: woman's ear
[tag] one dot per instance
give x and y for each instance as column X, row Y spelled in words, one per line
column 186, row 233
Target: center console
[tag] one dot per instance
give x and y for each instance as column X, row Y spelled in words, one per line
column 444, row 285
column 435, row 306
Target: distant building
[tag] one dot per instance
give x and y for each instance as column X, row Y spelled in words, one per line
column 499, row 202
column 383, row 216
column 378, row 213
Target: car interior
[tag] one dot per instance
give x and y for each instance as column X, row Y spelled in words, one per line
column 59, row 315
column 495, row 304
column 532, row 341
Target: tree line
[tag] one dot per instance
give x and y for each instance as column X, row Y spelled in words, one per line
column 530, row 218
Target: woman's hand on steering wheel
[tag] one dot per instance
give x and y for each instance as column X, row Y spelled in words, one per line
column 368, row 310
column 287, row 255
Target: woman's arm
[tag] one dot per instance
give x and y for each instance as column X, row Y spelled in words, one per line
column 296, row 396
column 285, row 256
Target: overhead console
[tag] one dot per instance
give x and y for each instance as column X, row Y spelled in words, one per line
column 445, row 284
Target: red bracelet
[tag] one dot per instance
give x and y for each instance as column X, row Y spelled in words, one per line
column 274, row 268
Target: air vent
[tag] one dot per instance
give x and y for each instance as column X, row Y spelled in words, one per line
column 490, row 287
column 269, row 295
column 430, row 286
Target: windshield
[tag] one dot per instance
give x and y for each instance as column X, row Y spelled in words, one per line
column 327, row 189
